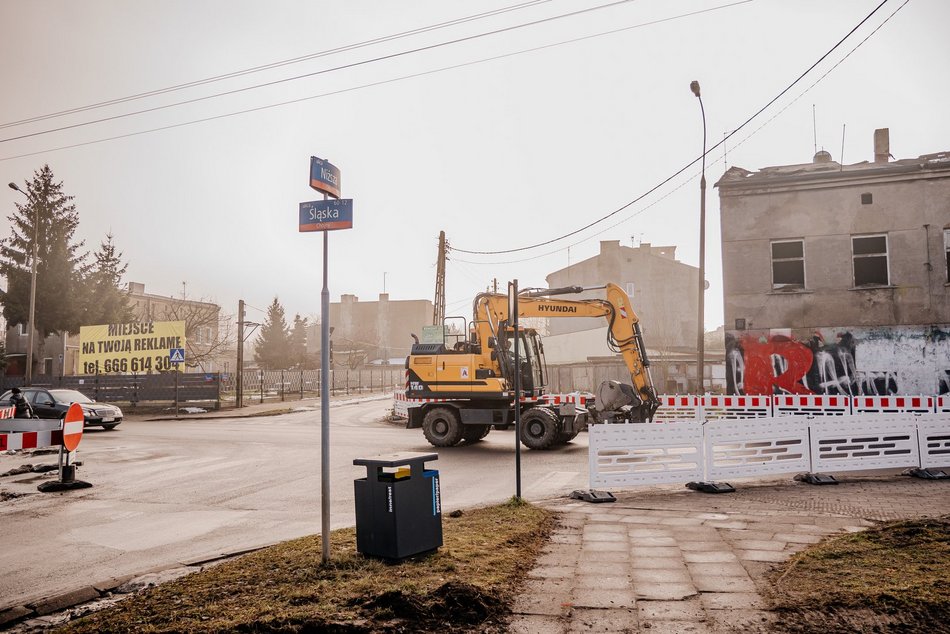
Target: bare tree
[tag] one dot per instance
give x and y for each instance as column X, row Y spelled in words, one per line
column 209, row 334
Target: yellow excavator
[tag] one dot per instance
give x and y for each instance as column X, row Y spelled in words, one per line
column 463, row 386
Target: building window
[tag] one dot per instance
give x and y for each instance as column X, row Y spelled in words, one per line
column 946, row 250
column 788, row 264
column 870, row 260
column 21, row 330
column 631, row 288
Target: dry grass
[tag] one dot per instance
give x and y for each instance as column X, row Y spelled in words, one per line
column 466, row 586
column 893, row 578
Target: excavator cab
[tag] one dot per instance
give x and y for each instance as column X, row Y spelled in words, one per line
column 531, row 354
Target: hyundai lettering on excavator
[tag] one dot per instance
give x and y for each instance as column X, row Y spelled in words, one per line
column 461, row 388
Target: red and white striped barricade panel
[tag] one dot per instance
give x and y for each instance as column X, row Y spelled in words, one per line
column 575, row 398
column 400, row 404
column 811, row 405
column 7, row 412
column 864, row 441
column 942, row 404
column 677, row 407
column 30, row 433
column 772, row 446
column 892, row 404
column 636, row 454
column 734, row 407
column 933, row 438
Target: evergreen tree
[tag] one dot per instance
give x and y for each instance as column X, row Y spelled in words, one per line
column 298, row 342
column 272, row 347
column 49, row 215
column 105, row 302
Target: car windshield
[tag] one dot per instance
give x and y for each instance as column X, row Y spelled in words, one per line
column 70, row 396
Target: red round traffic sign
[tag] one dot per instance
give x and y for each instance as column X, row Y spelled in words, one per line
column 72, row 427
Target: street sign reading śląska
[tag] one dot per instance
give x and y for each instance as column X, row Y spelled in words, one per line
column 324, row 177
column 326, row 215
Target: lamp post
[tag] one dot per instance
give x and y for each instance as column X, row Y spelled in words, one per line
column 700, row 344
column 28, row 375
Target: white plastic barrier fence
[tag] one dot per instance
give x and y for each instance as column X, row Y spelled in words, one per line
column 735, row 407
column 933, row 439
column 942, row 404
column 400, row 405
column 856, row 443
column 735, row 449
column 811, row 405
column 671, row 452
column 645, row 454
column 675, row 407
column 892, row 405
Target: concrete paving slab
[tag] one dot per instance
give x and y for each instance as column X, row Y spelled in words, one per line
column 605, row 599
column 660, row 575
column 718, row 569
column 716, row 583
column 762, row 555
column 608, row 568
column 651, row 591
column 616, row 620
column 533, row 624
column 688, row 610
column 731, row 601
column 657, row 563
column 712, row 556
column 602, row 582
column 655, row 551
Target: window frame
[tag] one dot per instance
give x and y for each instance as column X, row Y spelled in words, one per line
column 887, row 260
column 946, row 252
column 773, row 260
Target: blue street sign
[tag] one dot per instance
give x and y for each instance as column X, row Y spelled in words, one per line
column 326, row 215
column 324, row 176
column 176, row 355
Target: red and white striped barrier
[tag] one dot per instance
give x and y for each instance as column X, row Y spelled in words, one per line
column 733, row 407
column 30, row 439
column 7, row 412
column 942, row 404
column 893, row 405
column 676, row 407
column 811, row 405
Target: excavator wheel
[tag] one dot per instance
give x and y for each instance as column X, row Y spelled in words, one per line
column 474, row 433
column 567, row 436
column 441, row 427
column 540, row 428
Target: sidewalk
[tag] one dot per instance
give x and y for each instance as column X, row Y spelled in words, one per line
column 674, row 560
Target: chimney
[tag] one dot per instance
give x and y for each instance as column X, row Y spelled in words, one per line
column 609, row 246
column 882, row 145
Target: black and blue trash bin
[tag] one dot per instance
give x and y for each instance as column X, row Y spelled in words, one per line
column 398, row 506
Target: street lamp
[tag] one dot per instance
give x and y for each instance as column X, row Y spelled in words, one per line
column 700, row 347
column 28, row 376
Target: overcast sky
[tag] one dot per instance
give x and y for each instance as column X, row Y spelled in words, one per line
column 511, row 136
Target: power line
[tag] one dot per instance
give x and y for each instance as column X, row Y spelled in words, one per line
column 379, row 83
column 691, row 163
column 325, row 71
column 277, row 64
column 718, row 160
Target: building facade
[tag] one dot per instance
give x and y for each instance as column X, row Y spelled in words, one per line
column 372, row 332
column 837, row 277
column 662, row 291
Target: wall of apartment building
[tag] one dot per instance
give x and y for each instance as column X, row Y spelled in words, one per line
column 382, row 328
column 833, row 335
column 664, row 291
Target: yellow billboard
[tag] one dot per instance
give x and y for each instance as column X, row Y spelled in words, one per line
column 126, row 348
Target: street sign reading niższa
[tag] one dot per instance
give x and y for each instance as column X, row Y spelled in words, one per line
column 324, row 176
column 326, row 215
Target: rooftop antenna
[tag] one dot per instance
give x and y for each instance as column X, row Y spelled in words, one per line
column 814, row 127
column 725, row 157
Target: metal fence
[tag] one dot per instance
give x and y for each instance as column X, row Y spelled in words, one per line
column 264, row 385
column 133, row 388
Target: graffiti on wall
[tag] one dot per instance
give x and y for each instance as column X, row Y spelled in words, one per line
column 847, row 361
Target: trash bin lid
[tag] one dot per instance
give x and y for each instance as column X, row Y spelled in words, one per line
column 396, row 459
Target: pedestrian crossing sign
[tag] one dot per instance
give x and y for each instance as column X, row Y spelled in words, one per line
column 176, row 355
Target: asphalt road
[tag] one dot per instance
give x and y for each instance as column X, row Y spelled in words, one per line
column 189, row 490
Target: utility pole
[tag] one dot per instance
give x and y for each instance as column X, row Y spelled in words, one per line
column 438, row 312
column 240, row 354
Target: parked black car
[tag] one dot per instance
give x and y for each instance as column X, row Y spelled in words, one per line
column 53, row 403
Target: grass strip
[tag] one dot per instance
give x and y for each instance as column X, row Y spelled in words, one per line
column 466, row 586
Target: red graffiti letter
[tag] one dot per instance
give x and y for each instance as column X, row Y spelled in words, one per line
column 759, row 370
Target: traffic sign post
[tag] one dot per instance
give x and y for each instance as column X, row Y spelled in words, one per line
column 73, row 423
column 325, row 215
column 176, row 356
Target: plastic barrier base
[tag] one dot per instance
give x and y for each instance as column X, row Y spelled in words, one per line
column 927, row 474
column 593, row 495
column 816, row 478
column 711, row 487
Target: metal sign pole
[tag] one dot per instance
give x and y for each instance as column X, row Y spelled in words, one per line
column 513, row 301
column 325, row 406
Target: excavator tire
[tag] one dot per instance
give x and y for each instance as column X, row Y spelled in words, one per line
column 474, row 433
column 540, row 428
column 567, row 436
column 442, row 427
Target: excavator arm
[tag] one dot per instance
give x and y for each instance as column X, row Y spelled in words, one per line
column 623, row 333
